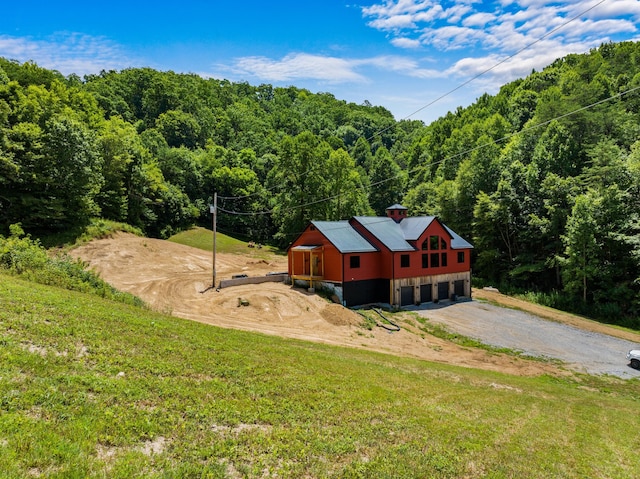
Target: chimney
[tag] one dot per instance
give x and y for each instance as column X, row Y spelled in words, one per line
column 396, row 212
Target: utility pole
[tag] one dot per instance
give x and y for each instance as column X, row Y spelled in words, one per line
column 214, row 211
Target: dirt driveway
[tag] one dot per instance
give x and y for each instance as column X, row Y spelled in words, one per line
column 171, row 278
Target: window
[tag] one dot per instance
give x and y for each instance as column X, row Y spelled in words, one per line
column 443, row 243
column 434, row 242
column 425, row 260
column 404, row 261
column 444, row 259
column 425, row 245
column 460, row 256
column 354, row 261
column 435, row 260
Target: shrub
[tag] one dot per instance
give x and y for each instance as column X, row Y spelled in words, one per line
column 21, row 255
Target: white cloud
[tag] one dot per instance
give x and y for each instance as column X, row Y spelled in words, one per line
column 393, row 23
column 405, row 43
column 493, row 25
column 297, row 66
column 478, row 19
column 66, row 52
column 508, row 38
column 451, row 37
column 301, row 66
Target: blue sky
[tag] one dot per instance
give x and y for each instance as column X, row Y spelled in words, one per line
column 417, row 58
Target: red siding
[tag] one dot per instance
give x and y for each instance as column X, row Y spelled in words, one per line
column 332, row 263
column 332, row 257
column 383, row 264
column 382, row 259
column 369, row 267
column 415, row 257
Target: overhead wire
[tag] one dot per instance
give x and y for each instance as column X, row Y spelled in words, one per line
column 504, row 60
column 458, row 87
column 448, row 158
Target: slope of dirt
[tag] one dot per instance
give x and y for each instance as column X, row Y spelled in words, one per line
column 174, row 279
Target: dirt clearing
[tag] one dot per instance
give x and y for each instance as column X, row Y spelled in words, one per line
column 171, row 278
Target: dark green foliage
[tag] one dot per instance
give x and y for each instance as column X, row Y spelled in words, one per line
column 562, row 217
column 524, row 174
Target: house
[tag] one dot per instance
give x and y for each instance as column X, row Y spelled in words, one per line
column 395, row 259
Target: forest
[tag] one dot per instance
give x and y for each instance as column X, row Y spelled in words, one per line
column 543, row 177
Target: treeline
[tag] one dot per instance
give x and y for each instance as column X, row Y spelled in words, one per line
column 543, row 177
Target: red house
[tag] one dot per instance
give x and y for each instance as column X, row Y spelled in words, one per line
column 395, row 259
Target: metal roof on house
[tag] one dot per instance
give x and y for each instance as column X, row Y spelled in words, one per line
column 342, row 235
column 397, row 206
column 457, row 241
column 306, row 247
column 387, row 231
column 414, row 226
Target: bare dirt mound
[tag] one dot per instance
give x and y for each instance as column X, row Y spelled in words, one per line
column 173, row 278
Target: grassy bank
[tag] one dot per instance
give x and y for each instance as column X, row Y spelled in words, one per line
column 94, row 388
column 202, row 238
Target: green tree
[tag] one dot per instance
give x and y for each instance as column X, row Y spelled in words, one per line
column 179, row 129
column 345, row 187
column 387, row 181
column 299, row 182
column 580, row 265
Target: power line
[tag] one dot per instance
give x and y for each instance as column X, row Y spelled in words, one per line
column 504, row 60
column 448, row 158
column 460, row 86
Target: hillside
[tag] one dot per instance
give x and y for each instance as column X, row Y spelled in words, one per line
column 171, row 277
column 543, row 178
column 93, row 388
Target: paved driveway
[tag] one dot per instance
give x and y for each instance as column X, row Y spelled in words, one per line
column 581, row 350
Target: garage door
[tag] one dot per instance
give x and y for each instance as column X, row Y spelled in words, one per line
column 426, row 293
column 458, row 287
column 443, row 291
column 406, row 295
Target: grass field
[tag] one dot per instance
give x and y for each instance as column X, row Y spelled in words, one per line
column 94, row 388
column 202, row 238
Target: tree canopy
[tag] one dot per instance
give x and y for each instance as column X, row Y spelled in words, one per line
column 542, row 177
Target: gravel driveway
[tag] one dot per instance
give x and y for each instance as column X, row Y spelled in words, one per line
column 581, row 350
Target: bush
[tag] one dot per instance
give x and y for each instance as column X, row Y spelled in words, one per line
column 21, row 255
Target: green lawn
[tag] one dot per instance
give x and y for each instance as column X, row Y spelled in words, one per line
column 203, row 238
column 94, row 388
